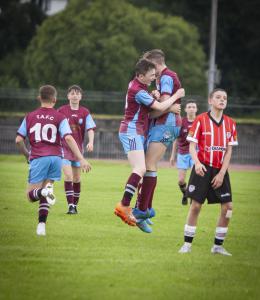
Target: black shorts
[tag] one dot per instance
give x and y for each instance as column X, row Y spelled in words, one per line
column 200, row 188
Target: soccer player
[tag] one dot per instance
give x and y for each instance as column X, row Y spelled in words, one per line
column 164, row 130
column 184, row 160
column 80, row 121
column 214, row 133
column 132, row 134
column 44, row 128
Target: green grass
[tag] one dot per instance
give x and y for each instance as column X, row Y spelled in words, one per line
column 95, row 256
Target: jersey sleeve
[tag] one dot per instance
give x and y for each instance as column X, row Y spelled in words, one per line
column 195, row 131
column 143, row 97
column 232, row 140
column 90, row 124
column 22, row 130
column 167, row 85
column 64, row 128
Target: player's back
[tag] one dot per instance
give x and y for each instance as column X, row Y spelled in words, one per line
column 168, row 84
column 43, row 131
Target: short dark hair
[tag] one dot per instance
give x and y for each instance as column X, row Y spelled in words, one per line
column 156, row 55
column 47, row 93
column 75, row 87
column 143, row 66
column 216, row 90
column 190, row 101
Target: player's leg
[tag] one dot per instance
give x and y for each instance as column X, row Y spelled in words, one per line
column 154, row 153
column 76, row 185
column 197, row 191
column 225, row 198
column 68, row 184
column 222, row 229
column 182, row 166
column 136, row 159
column 182, row 185
column 190, row 226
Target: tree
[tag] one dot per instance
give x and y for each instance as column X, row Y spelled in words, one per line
column 18, row 22
column 97, row 43
column 238, row 40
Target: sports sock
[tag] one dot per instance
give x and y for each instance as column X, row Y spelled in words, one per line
column 68, row 187
column 220, row 235
column 130, row 188
column 145, row 197
column 182, row 187
column 35, row 194
column 189, row 233
column 76, row 189
column 43, row 209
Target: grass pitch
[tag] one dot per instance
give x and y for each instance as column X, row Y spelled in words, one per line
column 93, row 255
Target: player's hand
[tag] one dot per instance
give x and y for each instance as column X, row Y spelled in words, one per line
column 156, row 94
column 85, row 166
column 217, row 181
column 200, row 169
column 180, row 93
column 176, row 108
column 90, row 147
column 172, row 161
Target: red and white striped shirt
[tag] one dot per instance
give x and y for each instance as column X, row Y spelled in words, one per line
column 212, row 138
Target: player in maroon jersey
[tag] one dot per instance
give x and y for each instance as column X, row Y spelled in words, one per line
column 80, row 121
column 162, row 132
column 184, row 159
column 132, row 135
column 44, row 128
column 214, row 133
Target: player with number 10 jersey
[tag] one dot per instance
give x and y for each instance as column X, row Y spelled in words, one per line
column 44, row 128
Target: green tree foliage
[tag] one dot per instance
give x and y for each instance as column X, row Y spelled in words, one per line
column 18, row 22
column 238, row 39
column 97, row 43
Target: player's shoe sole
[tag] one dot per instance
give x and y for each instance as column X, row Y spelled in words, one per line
column 125, row 214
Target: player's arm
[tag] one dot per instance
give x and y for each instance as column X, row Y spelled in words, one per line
column 90, row 127
column 90, row 145
column 200, row 169
column 174, row 108
column 75, row 150
column 163, row 106
column 173, row 154
column 218, row 179
column 65, row 132
column 21, row 135
column 22, row 147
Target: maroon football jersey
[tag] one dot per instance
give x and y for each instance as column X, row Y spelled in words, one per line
column 138, row 103
column 79, row 120
column 44, row 128
column 183, row 144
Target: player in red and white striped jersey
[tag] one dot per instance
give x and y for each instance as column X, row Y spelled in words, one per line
column 214, row 134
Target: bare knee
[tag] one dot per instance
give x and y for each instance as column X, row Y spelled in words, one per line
column 195, row 207
column 226, row 209
column 140, row 171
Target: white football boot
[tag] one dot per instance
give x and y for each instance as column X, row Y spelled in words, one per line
column 186, row 248
column 41, row 229
column 47, row 192
column 220, row 250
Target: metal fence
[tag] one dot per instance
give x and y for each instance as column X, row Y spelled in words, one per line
column 108, row 146
column 23, row 100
